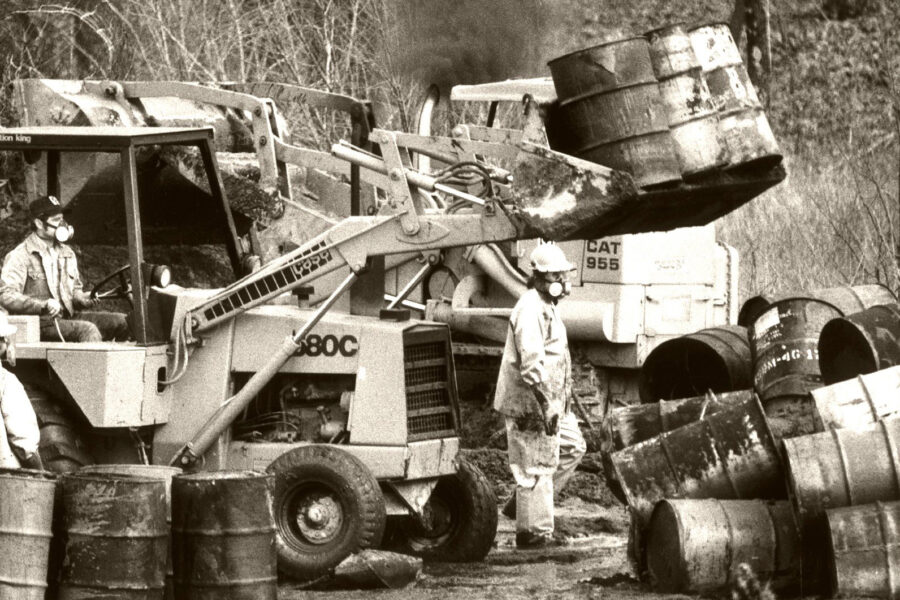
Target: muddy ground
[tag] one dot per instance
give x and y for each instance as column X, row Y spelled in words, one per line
column 591, row 564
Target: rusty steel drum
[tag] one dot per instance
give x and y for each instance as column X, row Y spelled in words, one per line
column 602, row 68
column 223, row 534
column 26, row 530
column 865, row 549
column 610, row 111
column 743, row 125
column 860, row 343
column 630, row 425
column 730, row 454
column 842, row 467
column 716, row 359
column 859, row 402
column 694, row 546
column 689, row 109
column 848, row 299
column 115, row 537
column 161, row 472
column 784, row 341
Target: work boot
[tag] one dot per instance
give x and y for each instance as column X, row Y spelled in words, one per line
column 525, row 540
column 509, row 509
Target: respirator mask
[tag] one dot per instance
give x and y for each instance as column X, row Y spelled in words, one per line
column 558, row 289
column 64, row 232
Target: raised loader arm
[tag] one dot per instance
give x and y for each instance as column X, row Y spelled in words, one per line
column 404, row 226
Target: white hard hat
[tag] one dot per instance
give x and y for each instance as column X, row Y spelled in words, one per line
column 549, row 258
column 5, row 328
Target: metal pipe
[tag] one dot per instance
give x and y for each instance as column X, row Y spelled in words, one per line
column 432, row 99
column 410, row 285
column 373, row 163
column 494, row 264
column 406, row 303
column 231, row 409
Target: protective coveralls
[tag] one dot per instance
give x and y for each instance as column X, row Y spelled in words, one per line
column 20, row 431
column 537, row 355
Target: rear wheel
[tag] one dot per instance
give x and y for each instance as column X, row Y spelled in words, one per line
column 62, row 448
column 460, row 521
column 327, row 506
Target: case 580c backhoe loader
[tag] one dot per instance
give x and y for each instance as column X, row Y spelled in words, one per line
column 356, row 416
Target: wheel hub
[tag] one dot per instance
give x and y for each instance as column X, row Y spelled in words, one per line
column 319, row 518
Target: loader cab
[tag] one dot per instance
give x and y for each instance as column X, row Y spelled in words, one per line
column 118, row 190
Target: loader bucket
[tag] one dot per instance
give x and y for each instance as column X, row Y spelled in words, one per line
column 559, row 197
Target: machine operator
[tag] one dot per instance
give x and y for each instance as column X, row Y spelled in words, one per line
column 40, row 277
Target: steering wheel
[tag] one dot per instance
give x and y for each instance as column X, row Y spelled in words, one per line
column 122, row 290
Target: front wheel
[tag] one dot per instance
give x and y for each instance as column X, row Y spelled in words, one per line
column 460, row 521
column 327, row 506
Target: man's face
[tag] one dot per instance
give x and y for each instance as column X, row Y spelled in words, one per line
column 46, row 228
column 544, row 283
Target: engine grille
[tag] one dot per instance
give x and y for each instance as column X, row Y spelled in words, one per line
column 430, row 385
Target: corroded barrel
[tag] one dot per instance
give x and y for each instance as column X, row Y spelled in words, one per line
column 695, row 546
column 848, row 299
column 858, row 402
column 689, row 109
column 729, row 454
column 743, row 125
column 716, row 359
column 26, row 519
column 224, row 536
column 115, row 537
column 860, row 343
column 784, row 342
column 610, row 111
column 864, row 542
column 160, row 472
column 842, row 467
column 630, row 425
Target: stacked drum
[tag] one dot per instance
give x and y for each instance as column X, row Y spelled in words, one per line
column 668, row 106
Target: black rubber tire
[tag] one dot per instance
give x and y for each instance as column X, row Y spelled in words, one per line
column 62, row 448
column 466, row 510
column 306, row 471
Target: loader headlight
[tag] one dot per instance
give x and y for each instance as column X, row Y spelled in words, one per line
column 157, row 275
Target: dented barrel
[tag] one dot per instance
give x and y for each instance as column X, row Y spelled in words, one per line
column 729, row 454
column 716, row 359
column 630, row 425
column 695, row 546
column 164, row 474
column 860, row 343
column 689, row 109
column 842, row 467
column 858, row 402
column 864, row 542
column 224, row 536
column 115, row 537
column 26, row 519
column 784, row 342
column 743, row 125
column 848, row 299
column 610, row 111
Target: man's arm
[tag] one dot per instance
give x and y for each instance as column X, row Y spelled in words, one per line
column 21, row 423
column 81, row 298
column 529, row 336
column 12, row 284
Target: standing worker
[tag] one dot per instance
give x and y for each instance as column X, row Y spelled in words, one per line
column 19, row 435
column 40, row 277
column 534, row 392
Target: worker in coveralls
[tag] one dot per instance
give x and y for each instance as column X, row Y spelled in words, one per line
column 19, row 435
column 534, row 391
column 40, row 277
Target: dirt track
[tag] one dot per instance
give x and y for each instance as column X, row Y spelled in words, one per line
column 591, row 564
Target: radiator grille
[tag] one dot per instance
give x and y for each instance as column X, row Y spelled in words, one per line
column 430, row 389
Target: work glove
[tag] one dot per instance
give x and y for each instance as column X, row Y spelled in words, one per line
column 52, row 307
column 551, row 423
column 32, row 461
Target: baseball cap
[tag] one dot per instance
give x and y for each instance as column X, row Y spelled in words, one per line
column 45, row 206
